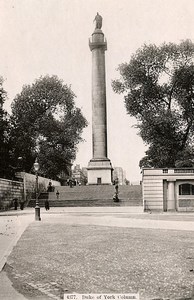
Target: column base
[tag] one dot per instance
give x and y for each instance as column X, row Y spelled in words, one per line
column 100, row 171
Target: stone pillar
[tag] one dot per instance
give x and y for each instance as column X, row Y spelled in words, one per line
column 171, row 195
column 99, row 167
column 99, row 123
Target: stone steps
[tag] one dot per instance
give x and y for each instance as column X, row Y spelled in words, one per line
column 85, row 203
column 92, row 196
column 95, row 192
column 44, row 195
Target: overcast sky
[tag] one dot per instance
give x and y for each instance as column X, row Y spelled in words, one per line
column 40, row 37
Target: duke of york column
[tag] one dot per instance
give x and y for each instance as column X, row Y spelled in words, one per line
column 99, row 167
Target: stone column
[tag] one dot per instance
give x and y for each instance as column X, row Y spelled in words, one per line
column 99, row 167
column 171, row 195
column 99, row 124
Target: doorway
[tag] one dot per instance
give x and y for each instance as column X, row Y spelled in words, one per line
column 99, row 180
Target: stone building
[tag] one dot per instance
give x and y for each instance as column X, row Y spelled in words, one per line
column 118, row 173
column 168, row 189
column 79, row 175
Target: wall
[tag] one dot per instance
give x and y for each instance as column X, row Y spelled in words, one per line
column 29, row 181
column 153, row 193
column 160, row 189
column 9, row 190
column 23, row 189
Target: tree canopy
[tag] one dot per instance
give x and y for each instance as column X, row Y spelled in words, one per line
column 4, row 135
column 158, row 88
column 46, row 123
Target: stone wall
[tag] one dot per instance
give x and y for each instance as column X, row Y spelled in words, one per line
column 29, row 181
column 23, row 189
column 9, row 190
column 153, row 193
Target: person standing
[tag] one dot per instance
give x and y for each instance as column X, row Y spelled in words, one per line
column 46, row 204
column 15, row 203
column 117, row 185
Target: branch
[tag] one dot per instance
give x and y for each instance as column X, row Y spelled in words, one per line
column 170, row 95
column 186, row 135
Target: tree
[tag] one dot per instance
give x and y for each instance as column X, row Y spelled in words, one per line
column 46, row 122
column 4, row 135
column 158, row 88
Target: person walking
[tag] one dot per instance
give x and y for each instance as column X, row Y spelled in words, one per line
column 46, row 204
column 22, row 204
column 15, row 203
column 117, row 185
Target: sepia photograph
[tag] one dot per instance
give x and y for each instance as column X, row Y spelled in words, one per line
column 97, row 149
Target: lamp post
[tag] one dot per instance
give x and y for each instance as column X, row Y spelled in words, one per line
column 37, row 207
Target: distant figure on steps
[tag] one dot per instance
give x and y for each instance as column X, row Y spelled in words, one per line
column 50, row 188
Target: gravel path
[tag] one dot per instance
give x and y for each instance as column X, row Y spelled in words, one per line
column 72, row 253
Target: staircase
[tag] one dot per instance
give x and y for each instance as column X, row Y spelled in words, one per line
column 43, row 196
column 92, row 195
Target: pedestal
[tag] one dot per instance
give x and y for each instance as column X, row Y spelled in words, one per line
column 37, row 213
column 100, row 171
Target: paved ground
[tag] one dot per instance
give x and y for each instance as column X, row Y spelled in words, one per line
column 12, row 225
column 88, row 222
column 11, row 228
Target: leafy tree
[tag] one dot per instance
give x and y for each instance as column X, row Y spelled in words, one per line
column 4, row 135
column 46, row 122
column 158, row 88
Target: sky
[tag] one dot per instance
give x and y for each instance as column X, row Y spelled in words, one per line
column 50, row 37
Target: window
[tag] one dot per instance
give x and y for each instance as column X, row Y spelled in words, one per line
column 99, row 180
column 186, row 189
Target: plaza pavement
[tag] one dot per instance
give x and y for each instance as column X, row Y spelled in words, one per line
column 13, row 224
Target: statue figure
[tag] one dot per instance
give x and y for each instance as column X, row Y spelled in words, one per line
column 98, row 20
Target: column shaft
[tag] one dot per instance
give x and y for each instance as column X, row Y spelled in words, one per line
column 99, row 124
column 171, row 196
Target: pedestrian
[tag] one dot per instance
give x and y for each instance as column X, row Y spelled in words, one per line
column 22, row 204
column 117, row 185
column 116, row 197
column 50, row 188
column 46, row 204
column 57, row 194
column 15, row 203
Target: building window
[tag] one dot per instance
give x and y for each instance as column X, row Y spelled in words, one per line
column 99, row 180
column 183, row 170
column 186, row 189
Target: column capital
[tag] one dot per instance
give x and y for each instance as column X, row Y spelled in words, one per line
column 97, row 40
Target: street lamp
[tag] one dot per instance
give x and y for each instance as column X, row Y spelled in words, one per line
column 37, row 207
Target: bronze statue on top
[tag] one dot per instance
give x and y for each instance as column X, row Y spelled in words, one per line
column 98, row 20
